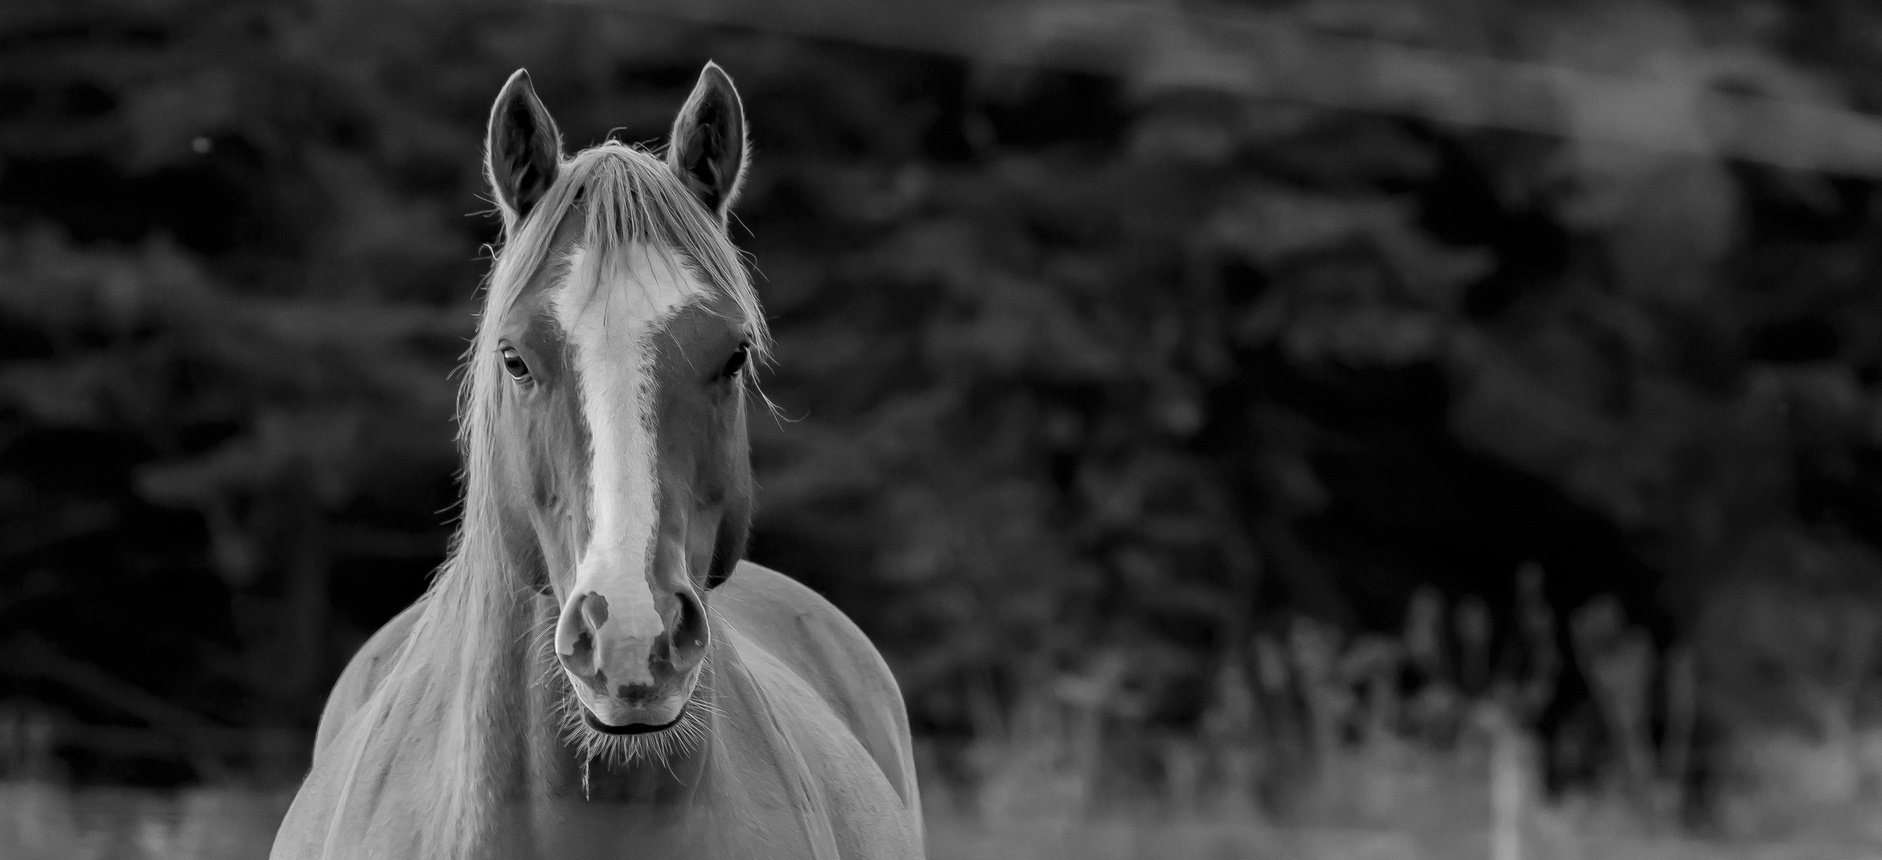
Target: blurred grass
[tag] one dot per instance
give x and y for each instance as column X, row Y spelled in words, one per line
column 42, row 821
column 1039, row 789
column 1315, row 751
column 45, row 821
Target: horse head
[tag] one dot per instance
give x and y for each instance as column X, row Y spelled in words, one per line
column 617, row 344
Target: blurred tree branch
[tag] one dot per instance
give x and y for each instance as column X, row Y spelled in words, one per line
column 1699, row 103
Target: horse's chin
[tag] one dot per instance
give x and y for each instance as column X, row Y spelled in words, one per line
column 610, row 732
column 632, row 728
column 641, row 735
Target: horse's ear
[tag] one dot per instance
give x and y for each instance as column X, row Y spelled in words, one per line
column 708, row 145
column 522, row 150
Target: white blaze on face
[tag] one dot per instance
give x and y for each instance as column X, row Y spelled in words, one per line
column 611, row 308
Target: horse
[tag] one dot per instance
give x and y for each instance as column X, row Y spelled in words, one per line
column 594, row 671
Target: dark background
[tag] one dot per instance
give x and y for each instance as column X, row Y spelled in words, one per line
column 1284, row 374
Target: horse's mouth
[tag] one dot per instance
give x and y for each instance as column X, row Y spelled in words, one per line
column 589, row 719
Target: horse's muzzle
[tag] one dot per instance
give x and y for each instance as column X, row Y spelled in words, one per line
column 632, row 670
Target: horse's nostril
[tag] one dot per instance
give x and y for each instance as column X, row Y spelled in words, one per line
column 581, row 660
column 691, row 623
column 575, row 636
column 688, row 631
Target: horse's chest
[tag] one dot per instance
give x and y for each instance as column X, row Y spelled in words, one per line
column 754, row 814
column 603, row 833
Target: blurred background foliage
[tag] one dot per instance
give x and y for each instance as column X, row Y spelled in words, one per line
column 1205, row 370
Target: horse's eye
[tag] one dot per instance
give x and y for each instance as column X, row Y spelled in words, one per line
column 737, row 362
column 513, row 363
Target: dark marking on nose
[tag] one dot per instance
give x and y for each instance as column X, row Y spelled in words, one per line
column 595, row 610
column 635, row 694
column 582, row 662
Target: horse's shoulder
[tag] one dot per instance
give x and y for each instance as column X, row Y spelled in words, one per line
column 795, row 621
column 363, row 674
column 808, row 633
column 776, row 593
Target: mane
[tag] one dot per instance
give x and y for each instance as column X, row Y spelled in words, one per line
column 457, row 688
